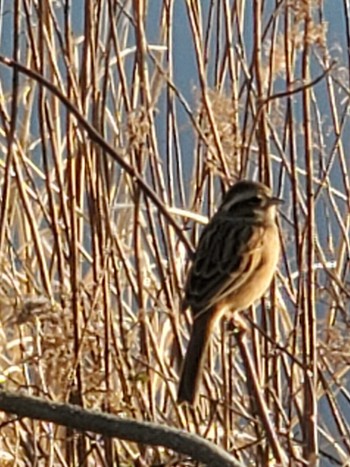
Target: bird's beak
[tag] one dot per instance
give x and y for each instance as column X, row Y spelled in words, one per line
column 276, row 201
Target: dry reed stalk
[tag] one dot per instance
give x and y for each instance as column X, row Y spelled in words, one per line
column 117, row 133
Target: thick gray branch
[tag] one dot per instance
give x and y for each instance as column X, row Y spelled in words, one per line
column 108, row 425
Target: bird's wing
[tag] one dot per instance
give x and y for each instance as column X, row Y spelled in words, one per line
column 228, row 253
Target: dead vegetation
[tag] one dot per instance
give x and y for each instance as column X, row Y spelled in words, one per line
column 94, row 247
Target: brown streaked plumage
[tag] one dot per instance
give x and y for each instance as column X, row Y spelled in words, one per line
column 233, row 266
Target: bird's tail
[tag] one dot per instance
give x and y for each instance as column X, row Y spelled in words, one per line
column 194, row 358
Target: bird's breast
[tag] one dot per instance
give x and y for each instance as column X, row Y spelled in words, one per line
column 263, row 266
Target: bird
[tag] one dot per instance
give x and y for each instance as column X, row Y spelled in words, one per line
column 233, row 266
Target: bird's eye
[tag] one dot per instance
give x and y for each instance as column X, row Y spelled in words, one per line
column 255, row 200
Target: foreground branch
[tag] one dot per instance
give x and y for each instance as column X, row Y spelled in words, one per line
column 75, row 417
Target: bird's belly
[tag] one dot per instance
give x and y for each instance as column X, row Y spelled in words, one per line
column 261, row 277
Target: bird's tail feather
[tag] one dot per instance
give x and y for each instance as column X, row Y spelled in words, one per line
column 194, row 359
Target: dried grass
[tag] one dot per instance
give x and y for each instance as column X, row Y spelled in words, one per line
column 92, row 270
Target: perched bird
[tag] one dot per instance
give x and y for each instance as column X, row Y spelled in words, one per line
column 233, row 266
